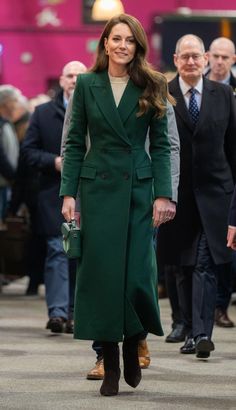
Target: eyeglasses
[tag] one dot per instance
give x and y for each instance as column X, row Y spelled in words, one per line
column 186, row 57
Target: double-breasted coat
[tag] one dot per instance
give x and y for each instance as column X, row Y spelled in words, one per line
column 116, row 282
column 207, row 175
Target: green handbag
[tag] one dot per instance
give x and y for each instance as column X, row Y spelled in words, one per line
column 71, row 239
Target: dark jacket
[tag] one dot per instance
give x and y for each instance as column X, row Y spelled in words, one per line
column 40, row 148
column 232, row 212
column 232, row 80
column 207, row 175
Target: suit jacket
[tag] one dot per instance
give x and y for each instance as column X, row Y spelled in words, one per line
column 207, row 175
column 232, row 80
column 117, row 184
column 40, row 147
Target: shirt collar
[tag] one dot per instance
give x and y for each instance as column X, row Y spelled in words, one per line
column 186, row 87
column 226, row 80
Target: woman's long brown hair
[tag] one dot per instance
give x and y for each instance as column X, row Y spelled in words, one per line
column 154, row 84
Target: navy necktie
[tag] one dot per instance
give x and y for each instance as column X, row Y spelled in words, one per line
column 193, row 107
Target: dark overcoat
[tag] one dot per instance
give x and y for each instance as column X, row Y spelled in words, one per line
column 207, row 175
column 116, row 283
column 40, row 147
column 232, row 210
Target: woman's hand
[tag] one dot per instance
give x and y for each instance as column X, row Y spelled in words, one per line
column 231, row 237
column 163, row 211
column 68, row 208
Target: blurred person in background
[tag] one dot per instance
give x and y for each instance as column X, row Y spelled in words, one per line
column 37, row 100
column 9, row 146
column 41, row 150
column 25, row 194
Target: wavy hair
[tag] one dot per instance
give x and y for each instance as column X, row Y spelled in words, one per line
column 153, row 83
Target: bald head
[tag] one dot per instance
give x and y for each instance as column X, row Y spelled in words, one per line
column 75, row 66
column 223, row 42
column 221, row 56
column 69, row 75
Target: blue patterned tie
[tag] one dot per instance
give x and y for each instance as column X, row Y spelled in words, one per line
column 193, row 107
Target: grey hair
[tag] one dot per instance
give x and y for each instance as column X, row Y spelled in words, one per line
column 8, row 92
column 193, row 36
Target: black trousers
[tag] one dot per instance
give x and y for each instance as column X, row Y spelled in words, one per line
column 197, row 289
column 171, row 273
column 224, row 287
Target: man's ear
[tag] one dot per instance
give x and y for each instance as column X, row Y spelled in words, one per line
column 206, row 58
column 61, row 81
column 175, row 59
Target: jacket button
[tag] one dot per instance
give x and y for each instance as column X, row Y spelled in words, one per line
column 104, row 175
column 126, row 175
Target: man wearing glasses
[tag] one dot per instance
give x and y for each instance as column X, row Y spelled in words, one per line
column 196, row 239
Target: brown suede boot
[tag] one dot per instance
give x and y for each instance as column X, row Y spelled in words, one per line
column 132, row 371
column 143, row 354
column 110, row 385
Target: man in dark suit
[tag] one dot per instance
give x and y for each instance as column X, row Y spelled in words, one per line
column 195, row 239
column 222, row 57
column 41, row 149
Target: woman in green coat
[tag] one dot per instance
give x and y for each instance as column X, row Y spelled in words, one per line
column 124, row 193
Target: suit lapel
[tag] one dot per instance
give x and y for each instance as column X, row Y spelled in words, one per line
column 208, row 90
column 103, row 95
column 207, row 94
column 180, row 107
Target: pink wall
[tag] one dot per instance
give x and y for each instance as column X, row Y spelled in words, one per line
column 52, row 46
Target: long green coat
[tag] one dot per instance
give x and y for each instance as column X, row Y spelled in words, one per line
column 116, row 292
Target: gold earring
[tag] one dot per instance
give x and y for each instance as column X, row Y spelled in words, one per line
column 106, row 51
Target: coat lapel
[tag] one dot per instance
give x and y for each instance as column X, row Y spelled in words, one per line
column 129, row 100
column 103, row 95
column 180, row 107
column 208, row 91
